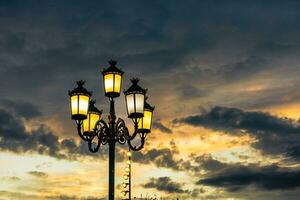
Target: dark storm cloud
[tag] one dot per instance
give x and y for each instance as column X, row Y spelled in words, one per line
column 293, row 152
column 23, row 109
column 208, row 163
column 165, row 157
column 38, row 174
column 14, row 137
column 165, row 184
column 234, row 119
column 192, row 91
column 196, row 165
column 238, row 177
column 74, row 150
column 160, row 157
column 45, row 45
column 275, row 135
column 158, row 125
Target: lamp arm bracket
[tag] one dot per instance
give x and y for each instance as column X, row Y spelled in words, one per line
column 132, row 136
column 101, row 134
column 83, row 136
column 91, row 143
column 135, row 148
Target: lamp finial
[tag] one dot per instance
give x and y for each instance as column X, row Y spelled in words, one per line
column 112, row 62
column 80, row 83
column 135, row 81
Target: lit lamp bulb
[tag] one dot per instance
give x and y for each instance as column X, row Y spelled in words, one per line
column 79, row 98
column 112, row 77
column 94, row 115
column 144, row 124
column 135, row 98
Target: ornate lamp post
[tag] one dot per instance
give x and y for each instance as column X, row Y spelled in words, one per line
column 95, row 131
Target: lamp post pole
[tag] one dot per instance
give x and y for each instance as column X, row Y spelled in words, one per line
column 111, row 189
column 112, row 118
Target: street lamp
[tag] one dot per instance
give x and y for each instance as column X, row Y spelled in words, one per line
column 96, row 132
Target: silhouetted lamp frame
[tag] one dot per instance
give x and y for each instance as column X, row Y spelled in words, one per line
column 114, row 130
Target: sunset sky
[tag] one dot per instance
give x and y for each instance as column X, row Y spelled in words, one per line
column 224, row 77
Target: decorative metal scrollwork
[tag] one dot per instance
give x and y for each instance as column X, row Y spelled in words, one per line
column 102, row 134
column 122, row 132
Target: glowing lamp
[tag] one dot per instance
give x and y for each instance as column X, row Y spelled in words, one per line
column 112, row 78
column 80, row 99
column 135, row 98
column 144, row 124
column 93, row 116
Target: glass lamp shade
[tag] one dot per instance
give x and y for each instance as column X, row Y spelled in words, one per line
column 135, row 98
column 144, row 124
column 79, row 98
column 93, row 116
column 112, row 80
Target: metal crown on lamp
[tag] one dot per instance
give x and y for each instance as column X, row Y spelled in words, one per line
column 80, row 99
column 112, row 78
column 135, row 98
column 144, row 124
column 93, row 116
